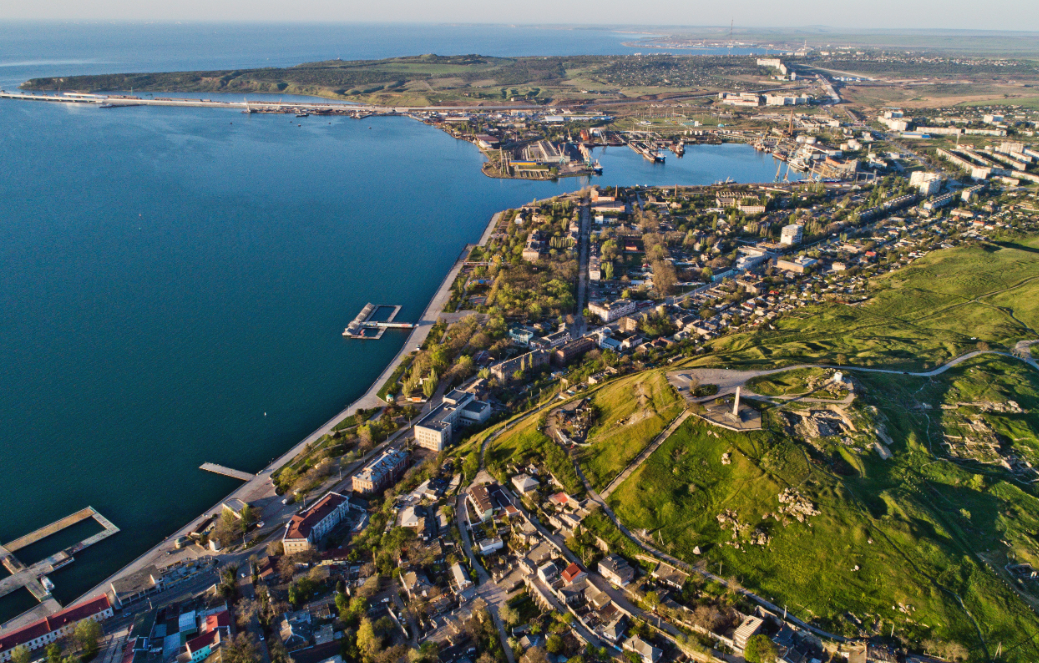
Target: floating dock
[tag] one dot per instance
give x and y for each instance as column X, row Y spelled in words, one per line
column 226, row 471
column 34, row 577
column 364, row 328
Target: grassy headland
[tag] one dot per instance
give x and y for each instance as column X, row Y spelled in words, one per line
column 433, row 79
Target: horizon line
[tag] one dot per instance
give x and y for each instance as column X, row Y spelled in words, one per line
column 814, row 29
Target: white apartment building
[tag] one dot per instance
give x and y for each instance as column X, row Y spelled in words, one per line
column 791, row 234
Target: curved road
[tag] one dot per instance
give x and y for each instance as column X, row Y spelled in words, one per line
column 728, row 379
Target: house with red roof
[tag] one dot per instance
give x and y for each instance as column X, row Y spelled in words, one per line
column 218, row 620
column 559, row 499
column 573, row 573
column 201, row 647
column 51, row 629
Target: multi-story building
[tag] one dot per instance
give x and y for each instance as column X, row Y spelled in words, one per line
column 378, row 474
column 798, row 266
column 434, row 431
column 926, row 183
column 50, row 629
column 610, row 311
column 536, row 247
column 480, row 499
column 616, row 569
column 572, row 350
column 791, row 234
column 746, row 630
column 308, row 527
column 553, row 340
column 532, row 360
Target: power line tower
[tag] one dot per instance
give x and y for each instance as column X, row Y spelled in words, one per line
column 732, row 22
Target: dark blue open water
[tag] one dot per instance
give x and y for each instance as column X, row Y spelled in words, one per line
column 167, row 276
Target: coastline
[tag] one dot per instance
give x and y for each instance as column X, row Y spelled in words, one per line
column 260, row 486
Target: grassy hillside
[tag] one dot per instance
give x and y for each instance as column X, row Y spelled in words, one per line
column 432, row 79
column 524, row 443
column 896, row 542
column 921, row 316
column 631, row 412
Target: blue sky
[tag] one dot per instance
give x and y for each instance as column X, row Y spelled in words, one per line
column 895, row 14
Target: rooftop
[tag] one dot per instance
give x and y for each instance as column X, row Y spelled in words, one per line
column 302, row 523
column 56, row 621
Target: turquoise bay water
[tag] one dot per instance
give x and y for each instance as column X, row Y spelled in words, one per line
column 175, row 282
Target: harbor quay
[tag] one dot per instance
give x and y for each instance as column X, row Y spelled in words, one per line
column 33, row 576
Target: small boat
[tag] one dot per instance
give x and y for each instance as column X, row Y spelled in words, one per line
column 302, row 114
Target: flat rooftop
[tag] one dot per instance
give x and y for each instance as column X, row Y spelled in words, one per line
column 435, row 418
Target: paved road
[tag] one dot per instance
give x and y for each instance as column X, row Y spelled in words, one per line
column 728, row 379
column 114, row 641
column 248, row 591
column 486, row 589
column 583, row 243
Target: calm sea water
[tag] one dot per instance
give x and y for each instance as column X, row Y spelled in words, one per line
column 175, row 281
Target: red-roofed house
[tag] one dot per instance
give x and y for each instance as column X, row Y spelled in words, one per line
column 561, row 499
column 201, row 647
column 50, row 629
column 572, row 573
column 221, row 619
column 305, row 529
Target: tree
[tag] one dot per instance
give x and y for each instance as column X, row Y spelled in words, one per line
column 243, row 649
column 534, row 655
column 88, row 636
column 652, row 598
column 508, row 614
column 245, row 611
column 54, row 653
column 369, row 588
column 429, row 385
column 464, row 366
column 228, row 586
column 248, row 518
column 760, row 650
column 554, row 644
column 21, row 654
column 368, row 643
column 842, row 359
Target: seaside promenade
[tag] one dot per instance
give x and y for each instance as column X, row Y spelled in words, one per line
column 260, row 489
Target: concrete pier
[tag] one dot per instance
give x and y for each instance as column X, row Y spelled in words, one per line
column 363, row 323
column 44, row 532
column 226, row 471
column 34, row 577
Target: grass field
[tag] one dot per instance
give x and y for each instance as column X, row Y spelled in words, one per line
column 1027, row 102
column 897, row 542
column 939, row 307
column 524, row 443
column 631, row 412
